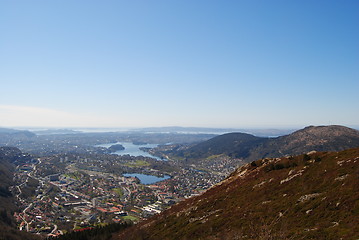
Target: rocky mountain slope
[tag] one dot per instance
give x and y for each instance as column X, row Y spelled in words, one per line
column 319, row 138
column 310, row 196
column 249, row 147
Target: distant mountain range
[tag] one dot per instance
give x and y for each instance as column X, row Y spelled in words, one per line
column 264, row 132
column 310, row 196
column 13, row 132
column 249, row 147
column 55, row 131
column 194, row 130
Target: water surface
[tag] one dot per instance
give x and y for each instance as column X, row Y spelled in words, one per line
column 146, row 179
column 132, row 149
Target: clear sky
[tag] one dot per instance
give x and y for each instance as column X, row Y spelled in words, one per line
column 203, row 63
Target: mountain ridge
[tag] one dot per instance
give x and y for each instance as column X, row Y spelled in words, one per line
column 250, row 147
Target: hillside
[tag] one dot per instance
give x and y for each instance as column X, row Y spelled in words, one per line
column 8, row 228
column 8, row 157
column 8, row 132
column 232, row 144
column 12, row 137
column 249, row 147
column 318, row 138
column 311, row 196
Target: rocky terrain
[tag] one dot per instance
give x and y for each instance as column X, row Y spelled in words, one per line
column 310, row 196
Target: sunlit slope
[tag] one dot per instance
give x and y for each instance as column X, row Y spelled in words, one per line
column 249, row 147
column 311, row 196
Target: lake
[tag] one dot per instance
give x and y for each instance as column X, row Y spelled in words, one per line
column 132, row 149
column 146, row 179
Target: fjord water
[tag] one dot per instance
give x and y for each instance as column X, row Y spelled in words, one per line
column 146, row 179
column 132, row 149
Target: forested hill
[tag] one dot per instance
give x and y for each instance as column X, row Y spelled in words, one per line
column 249, row 147
column 8, row 229
column 8, row 133
column 310, row 196
column 232, row 144
column 8, row 157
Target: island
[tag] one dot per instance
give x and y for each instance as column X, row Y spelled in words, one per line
column 116, row 147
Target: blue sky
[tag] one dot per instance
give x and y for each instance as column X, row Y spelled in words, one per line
column 185, row 63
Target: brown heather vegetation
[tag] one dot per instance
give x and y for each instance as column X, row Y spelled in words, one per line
column 310, row 196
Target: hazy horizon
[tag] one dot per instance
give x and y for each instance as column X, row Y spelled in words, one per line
column 179, row 129
column 136, row 64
